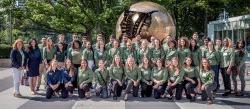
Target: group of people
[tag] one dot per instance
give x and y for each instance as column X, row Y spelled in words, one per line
column 162, row 69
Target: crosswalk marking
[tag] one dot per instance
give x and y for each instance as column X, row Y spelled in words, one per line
column 9, row 101
column 5, row 73
column 99, row 104
column 202, row 105
column 39, row 102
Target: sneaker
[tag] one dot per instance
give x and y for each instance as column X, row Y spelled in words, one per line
column 210, row 102
column 33, row 93
column 126, row 97
column 37, row 89
column 18, row 95
column 87, row 95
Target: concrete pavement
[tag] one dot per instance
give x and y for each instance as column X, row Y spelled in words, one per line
column 39, row 101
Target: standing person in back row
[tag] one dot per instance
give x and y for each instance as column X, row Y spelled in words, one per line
column 240, row 67
column 227, row 61
column 34, row 60
column 88, row 54
column 42, row 65
column 18, row 59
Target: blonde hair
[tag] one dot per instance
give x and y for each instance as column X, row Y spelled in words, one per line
column 134, row 65
column 229, row 41
column 14, row 46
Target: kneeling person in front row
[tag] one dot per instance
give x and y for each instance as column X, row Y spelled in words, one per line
column 85, row 77
column 69, row 77
column 54, row 81
column 206, row 82
column 175, row 80
column 102, row 79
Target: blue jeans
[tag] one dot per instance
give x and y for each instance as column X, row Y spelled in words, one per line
column 215, row 68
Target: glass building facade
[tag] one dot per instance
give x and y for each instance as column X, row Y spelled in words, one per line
column 235, row 28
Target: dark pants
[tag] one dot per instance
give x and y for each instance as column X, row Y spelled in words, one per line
column 215, row 68
column 146, row 90
column 160, row 90
column 76, row 77
column 226, row 79
column 178, row 92
column 116, row 89
column 70, row 89
column 130, row 85
column 207, row 92
column 84, row 89
column 102, row 91
column 189, row 87
column 50, row 91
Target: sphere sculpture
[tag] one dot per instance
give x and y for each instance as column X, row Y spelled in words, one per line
column 146, row 19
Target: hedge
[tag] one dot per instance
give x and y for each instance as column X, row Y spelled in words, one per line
column 5, row 51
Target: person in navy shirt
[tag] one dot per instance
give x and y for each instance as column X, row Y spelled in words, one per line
column 55, row 82
column 34, row 60
column 18, row 59
column 69, row 77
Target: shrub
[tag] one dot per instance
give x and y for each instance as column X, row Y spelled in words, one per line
column 5, row 51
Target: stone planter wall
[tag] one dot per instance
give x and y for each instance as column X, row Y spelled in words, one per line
column 4, row 63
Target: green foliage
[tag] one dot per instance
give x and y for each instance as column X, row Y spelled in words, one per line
column 5, row 51
column 93, row 16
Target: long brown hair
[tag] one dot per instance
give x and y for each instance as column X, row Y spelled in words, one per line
column 114, row 63
column 171, row 66
column 202, row 67
column 149, row 62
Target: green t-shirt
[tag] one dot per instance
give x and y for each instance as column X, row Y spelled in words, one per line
column 85, row 76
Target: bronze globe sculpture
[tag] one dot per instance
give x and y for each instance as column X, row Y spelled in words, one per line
column 146, row 19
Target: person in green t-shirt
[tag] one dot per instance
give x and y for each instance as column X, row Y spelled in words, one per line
column 75, row 53
column 159, row 77
column 156, row 52
column 143, row 51
column 206, row 81
column 88, row 54
column 102, row 80
column 129, row 51
column 101, row 53
column 117, row 75
column 213, row 57
column 133, row 77
column 84, row 79
column 191, row 76
column 195, row 53
column 226, row 63
column 183, row 50
column 146, row 78
column 171, row 51
column 49, row 51
column 115, row 50
column 175, row 79
column 109, row 45
column 240, row 67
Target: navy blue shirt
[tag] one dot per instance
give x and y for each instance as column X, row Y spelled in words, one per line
column 16, row 58
column 54, row 77
column 66, row 77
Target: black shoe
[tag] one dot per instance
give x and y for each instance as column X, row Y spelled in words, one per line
column 226, row 94
column 170, row 98
column 114, row 97
column 240, row 94
column 193, row 99
column 37, row 89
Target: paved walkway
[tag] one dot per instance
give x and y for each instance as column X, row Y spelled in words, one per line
column 39, row 101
